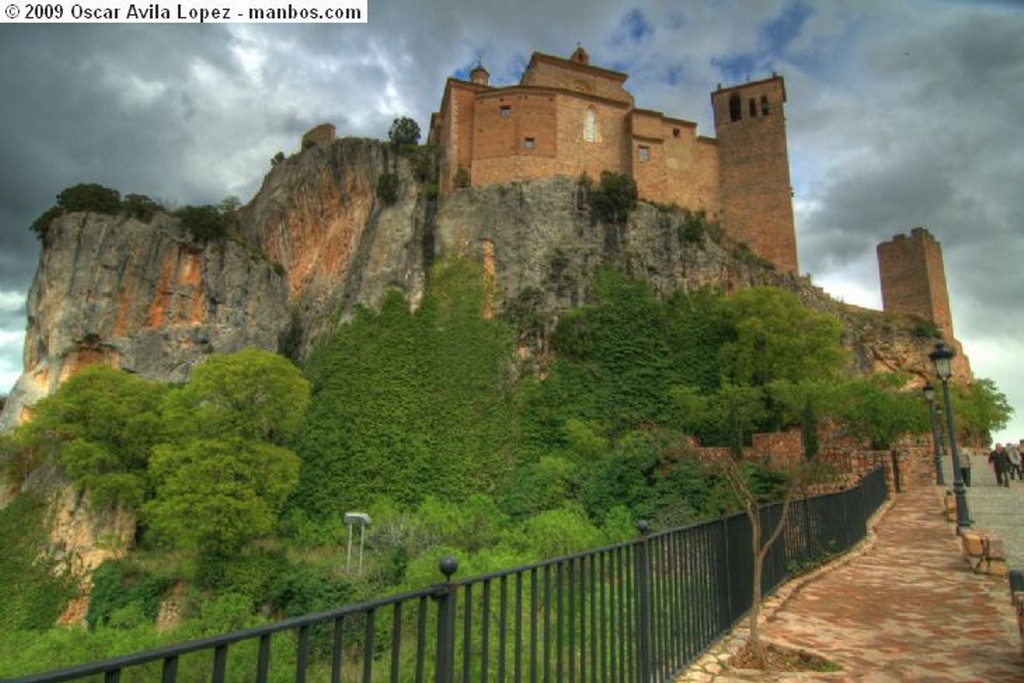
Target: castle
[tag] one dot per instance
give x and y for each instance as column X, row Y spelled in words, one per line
column 567, row 117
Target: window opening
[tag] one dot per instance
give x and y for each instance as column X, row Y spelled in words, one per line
column 529, row 143
column 735, row 108
column 764, row 105
column 752, row 107
column 645, row 154
column 505, row 110
column 590, row 126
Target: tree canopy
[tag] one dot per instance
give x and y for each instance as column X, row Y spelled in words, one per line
column 404, row 131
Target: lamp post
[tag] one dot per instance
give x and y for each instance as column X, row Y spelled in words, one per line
column 362, row 520
column 942, row 359
column 929, row 395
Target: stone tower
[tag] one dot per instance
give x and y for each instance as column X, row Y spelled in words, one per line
column 753, row 162
column 914, row 280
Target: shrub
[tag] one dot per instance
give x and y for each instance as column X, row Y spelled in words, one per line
column 205, row 223
column 692, row 229
column 141, row 207
column 462, row 178
column 387, row 188
column 615, row 197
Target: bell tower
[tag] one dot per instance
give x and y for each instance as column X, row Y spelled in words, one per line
column 753, row 166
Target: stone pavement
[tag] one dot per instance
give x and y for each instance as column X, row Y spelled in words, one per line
column 996, row 509
column 903, row 606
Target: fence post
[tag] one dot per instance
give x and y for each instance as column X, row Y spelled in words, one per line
column 445, row 596
column 643, row 589
column 726, row 564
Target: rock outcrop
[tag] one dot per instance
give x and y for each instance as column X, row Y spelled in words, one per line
column 143, row 297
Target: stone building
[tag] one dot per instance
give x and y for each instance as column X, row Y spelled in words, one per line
column 913, row 278
column 568, row 117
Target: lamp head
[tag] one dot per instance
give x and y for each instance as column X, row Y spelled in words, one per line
column 929, row 392
column 942, row 359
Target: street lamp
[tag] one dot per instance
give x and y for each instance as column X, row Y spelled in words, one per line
column 929, row 395
column 942, row 359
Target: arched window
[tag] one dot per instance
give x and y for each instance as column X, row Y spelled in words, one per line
column 752, row 107
column 735, row 108
column 590, row 125
column 764, row 105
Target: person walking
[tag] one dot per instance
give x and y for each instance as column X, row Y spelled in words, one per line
column 1014, row 455
column 966, row 456
column 1000, row 462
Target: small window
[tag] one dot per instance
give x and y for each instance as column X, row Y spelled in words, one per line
column 505, row 110
column 645, row 154
column 590, row 125
column 752, row 107
column 764, row 105
column 529, row 143
column 675, row 132
column 735, row 108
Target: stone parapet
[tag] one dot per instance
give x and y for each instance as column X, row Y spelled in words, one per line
column 985, row 553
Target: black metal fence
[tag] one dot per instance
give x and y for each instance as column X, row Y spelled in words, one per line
column 639, row 611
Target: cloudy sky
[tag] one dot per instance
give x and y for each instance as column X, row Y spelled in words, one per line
column 900, row 113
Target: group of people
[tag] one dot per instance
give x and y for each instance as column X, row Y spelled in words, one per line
column 1007, row 462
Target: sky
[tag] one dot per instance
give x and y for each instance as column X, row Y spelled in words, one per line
column 900, row 113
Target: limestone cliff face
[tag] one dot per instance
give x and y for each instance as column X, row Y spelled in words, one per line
column 540, row 236
column 143, row 297
column 318, row 216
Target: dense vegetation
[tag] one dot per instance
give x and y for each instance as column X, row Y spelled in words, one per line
column 420, row 418
column 204, row 223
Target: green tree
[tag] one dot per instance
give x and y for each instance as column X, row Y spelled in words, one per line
column 404, row 132
column 776, row 337
column 979, row 408
column 252, row 394
column 102, row 424
column 215, row 494
column 877, row 409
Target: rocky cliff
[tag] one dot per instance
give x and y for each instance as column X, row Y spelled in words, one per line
column 315, row 242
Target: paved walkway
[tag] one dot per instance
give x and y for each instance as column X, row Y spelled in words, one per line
column 904, row 606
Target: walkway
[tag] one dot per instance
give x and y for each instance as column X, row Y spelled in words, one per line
column 904, row 606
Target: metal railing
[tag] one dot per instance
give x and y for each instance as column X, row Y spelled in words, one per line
column 638, row 611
